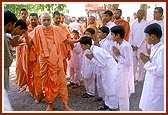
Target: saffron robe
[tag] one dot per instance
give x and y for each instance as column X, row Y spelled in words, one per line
column 47, row 44
column 22, row 53
column 126, row 26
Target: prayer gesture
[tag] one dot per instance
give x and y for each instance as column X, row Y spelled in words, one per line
column 144, row 58
column 16, row 30
column 89, row 56
column 135, row 48
column 15, row 41
column 116, row 51
column 28, row 41
column 25, row 35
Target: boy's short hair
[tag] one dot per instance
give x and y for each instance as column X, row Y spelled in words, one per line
column 154, row 29
column 160, row 9
column 56, row 13
column 9, row 17
column 118, row 30
column 21, row 23
column 24, row 9
column 119, row 11
column 104, row 29
column 85, row 40
column 75, row 31
column 108, row 12
column 92, row 31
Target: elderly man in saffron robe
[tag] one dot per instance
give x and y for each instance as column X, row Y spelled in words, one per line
column 47, row 39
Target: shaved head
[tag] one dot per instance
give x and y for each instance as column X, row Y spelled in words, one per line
column 45, row 20
column 44, row 14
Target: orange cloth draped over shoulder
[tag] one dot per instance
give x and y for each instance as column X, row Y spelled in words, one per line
column 47, row 44
column 34, row 77
column 126, row 26
column 21, row 64
column 65, row 48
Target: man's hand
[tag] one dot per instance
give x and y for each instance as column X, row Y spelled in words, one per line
column 116, row 51
column 135, row 48
column 25, row 35
column 15, row 41
column 104, row 22
column 89, row 56
column 144, row 58
column 27, row 39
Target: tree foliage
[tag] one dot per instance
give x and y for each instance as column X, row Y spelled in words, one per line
column 37, row 8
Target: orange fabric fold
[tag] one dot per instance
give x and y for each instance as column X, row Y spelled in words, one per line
column 22, row 53
column 126, row 26
column 51, row 61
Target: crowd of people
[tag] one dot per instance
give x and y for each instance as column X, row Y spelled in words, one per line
column 110, row 59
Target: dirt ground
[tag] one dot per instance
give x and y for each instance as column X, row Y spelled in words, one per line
column 24, row 102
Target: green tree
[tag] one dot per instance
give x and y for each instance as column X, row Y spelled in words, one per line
column 37, row 8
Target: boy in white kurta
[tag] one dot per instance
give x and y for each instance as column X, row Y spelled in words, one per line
column 106, row 44
column 89, row 69
column 75, row 61
column 125, row 78
column 104, row 61
column 152, row 98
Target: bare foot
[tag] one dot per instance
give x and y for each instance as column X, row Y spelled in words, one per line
column 68, row 109
column 50, row 107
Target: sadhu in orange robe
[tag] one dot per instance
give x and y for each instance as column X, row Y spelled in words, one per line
column 47, row 44
column 65, row 48
column 126, row 26
column 21, row 64
column 34, row 77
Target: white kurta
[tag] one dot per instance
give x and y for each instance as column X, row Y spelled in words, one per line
column 108, row 68
column 107, row 45
column 110, row 24
column 87, row 66
column 75, row 63
column 137, row 38
column 88, row 73
column 152, row 98
column 125, row 78
column 76, row 55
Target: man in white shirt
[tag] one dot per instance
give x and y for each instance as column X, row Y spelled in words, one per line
column 158, row 18
column 138, row 43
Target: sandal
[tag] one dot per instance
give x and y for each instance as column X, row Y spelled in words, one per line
column 85, row 95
